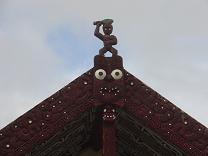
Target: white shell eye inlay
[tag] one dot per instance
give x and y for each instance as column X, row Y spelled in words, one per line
column 100, row 74
column 117, row 74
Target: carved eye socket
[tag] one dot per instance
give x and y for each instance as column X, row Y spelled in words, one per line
column 100, row 74
column 117, row 74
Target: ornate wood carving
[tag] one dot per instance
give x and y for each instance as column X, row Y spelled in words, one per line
column 109, row 131
column 108, row 91
column 134, row 139
column 69, row 141
column 44, row 125
column 164, row 118
column 47, row 118
column 107, row 38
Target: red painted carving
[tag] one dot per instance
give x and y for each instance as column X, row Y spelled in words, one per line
column 47, row 118
column 150, row 108
column 108, row 91
column 164, row 118
column 108, row 84
column 109, row 131
column 107, row 38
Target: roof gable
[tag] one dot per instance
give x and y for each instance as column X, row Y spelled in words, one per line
column 164, row 118
column 47, row 118
column 31, row 133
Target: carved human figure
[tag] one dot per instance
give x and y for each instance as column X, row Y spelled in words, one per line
column 107, row 38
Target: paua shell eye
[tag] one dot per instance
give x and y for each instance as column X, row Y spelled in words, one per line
column 117, row 74
column 100, row 74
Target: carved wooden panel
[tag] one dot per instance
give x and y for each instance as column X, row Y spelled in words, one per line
column 47, row 118
column 44, row 124
column 134, row 139
column 70, row 140
column 164, row 118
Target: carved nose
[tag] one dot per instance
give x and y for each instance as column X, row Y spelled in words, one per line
column 109, row 78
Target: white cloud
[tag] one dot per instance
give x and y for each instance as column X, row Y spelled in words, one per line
column 166, row 40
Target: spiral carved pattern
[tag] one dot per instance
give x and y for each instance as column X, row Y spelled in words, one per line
column 164, row 118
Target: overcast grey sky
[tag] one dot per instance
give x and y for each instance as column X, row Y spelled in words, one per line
column 46, row 44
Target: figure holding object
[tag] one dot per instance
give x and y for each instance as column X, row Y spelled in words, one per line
column 107, row 38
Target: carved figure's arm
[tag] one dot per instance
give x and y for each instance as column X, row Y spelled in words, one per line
column 97, row 32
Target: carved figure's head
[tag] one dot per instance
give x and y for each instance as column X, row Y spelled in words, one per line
column 108, row 87
column 109, row 113
column 107, row 29
column 107, row 26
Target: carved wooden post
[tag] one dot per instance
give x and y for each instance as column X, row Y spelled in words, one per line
column 108, row 85
column 109, row 131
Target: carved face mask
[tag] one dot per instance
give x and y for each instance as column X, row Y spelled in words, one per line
column 108, row 85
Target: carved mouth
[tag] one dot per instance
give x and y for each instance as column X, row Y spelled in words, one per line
column 109, row 114
column 109, row 117
column 109, row 90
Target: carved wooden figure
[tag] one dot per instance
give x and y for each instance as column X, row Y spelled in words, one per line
column 107, row 38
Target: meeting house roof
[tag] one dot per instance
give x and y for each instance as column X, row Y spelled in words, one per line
column 105, row 111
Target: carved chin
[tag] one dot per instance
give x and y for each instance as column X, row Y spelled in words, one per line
column 109, row 94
